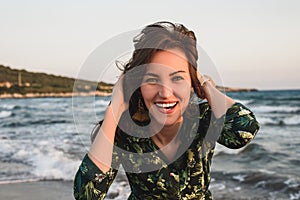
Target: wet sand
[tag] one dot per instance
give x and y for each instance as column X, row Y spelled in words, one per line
column 63, row 190
column 43, row 190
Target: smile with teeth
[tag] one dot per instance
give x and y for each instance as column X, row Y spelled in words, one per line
column 166, row 105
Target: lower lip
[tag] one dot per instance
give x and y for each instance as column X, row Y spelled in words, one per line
column 167, row 111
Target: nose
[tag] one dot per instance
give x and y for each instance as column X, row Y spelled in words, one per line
column 165, row 91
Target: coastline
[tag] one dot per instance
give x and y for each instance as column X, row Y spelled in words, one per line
column 96, row 93
column 56, row 95
column 234, row 89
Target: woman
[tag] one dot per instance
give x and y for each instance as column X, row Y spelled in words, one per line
column 163, row 139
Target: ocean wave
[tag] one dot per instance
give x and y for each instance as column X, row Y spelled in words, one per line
column 253, row 155
column 25, row 180
column 101, row 102
column 293, row 120
column 221, row 150
column 10, row 106
column 45, row 162
column 277, row 185
column 295, row 196
column 289, row 98
column 54, row 165
column 295, row 111
column 14, row 124
column 5, row 114
column 245, row 102
column 275, row 109
column 255, row 149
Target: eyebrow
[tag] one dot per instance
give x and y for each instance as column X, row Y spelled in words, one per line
column 173, row 73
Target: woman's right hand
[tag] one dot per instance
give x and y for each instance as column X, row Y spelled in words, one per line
column 118, row 103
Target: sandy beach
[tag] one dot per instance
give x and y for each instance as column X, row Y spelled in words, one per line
column 45, row 190
column 63, row 190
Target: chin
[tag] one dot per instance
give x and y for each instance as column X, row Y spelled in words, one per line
column 167, row 122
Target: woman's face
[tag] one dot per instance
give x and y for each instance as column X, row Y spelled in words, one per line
column 166, row 86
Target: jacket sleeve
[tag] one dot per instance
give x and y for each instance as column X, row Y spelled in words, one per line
column 239, row 128
column 90, row 182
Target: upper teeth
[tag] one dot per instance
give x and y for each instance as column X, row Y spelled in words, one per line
column 166, row 105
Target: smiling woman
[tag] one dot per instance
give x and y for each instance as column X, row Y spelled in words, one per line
column 163, row 139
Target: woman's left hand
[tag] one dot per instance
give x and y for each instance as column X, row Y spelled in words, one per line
column 218, row 101
column 204, row 80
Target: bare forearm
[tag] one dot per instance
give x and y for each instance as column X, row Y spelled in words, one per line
column 101, row 150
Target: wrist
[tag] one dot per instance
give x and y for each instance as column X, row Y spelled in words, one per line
column 203, row 80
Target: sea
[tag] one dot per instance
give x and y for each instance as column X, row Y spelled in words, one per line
column 46, row 138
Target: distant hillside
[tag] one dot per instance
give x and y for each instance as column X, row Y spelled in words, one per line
column 232, row 89
column 24, row 82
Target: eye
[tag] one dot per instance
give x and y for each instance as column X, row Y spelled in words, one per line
column 177, row 78
column 151, row 80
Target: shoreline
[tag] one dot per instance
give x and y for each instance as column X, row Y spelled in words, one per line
column 63, row 190
column 37, row 190
column 96, row 93
column 56, row 95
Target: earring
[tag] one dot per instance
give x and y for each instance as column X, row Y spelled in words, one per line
column 141, row 115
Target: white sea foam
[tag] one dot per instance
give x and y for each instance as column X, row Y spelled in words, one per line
column 260, row 184
column 239, row 177
column 8, row 106
column 220, row 148
column 54, row 165
column 284, row 120
column 244, row 102
column 18, row 181
column 123, row 192
column 6, row 147
column 238, row 188
column 4, row 114
column 293, row 120
column 266, row 171
column 295, row 196
column 101, row 102
column 217, row 186
column 265, row 120
column 292, row 183
column 275, row 108
column 21, row 154
column 46, row 161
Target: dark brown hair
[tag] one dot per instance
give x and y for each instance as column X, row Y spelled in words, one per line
column 153, row 38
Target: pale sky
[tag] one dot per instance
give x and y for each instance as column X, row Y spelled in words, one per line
column 253, row 43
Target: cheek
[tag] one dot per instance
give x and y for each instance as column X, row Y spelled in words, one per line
column 148, row 93
column 185, row 94
column 183, row 90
